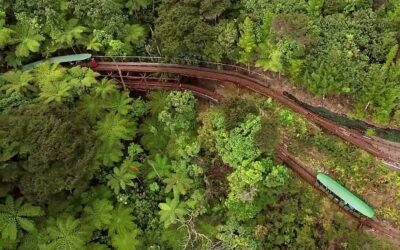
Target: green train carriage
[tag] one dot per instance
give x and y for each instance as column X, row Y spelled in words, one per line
column 71, row 59
column 344, row 197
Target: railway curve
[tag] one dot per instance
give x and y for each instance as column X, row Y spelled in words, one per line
column 258, row 86
column 282, row 155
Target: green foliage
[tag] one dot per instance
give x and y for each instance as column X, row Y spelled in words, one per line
column 238, row 147
column 50, row 149
column 179, row 113
column 18, row 82
column 172, row 211
column 111, row 130
column 65, row 233
column 247, row 41
column 125, row 240
column 26, row 36
column 120, row 179
column 97, row 213
column 122, row 221
column 15, row 215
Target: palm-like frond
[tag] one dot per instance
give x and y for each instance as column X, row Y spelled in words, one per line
column 97, row 213
column 134, row 33
column 119, row 103
column 125, row 240
column 5, row 33
column 105, row 88
column 160, row 167
column 158, row 100
column 18, row 82
column 93, row 107
column 154, row 136
column 178, row 182
column 5, row 36
column 71, row 33
column 135, row 5
column 65, row 233
column 14, row 215
column 82, row 77
column 122, row 221
column 171, row 211
column 108, row 153
column 27, row 37
column 46, row 73
column 120, row 179
column 56, row 92
column 114, row 127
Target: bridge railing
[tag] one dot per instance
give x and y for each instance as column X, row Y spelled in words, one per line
column 263, row 78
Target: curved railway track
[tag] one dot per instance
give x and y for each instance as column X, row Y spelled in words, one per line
column 252, row 84
column 154, row 85
column 257, row 86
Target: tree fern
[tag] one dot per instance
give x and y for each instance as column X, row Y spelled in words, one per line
column 15, row 215
column 154, row 137
column 56, row 92
column 171, row 211
column 159, row 167
column 120, row 179
column 122, row 221
column 18, row 82
column 158, row 100
column 46, row 73
column 125, row 240
column 82, row 77
column 71, row 33
column 135, row 5
column 110, row 152
column 5, row 33
column 178, row 182
column 65, row 233
column 27, row 36
column 119, row 103
column 105, row 88
column 92, row 106
column 97, row 214
column 133, row 33
column 114, row 127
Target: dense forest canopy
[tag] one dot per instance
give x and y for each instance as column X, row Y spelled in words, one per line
column 85, row 164
column 331, row 48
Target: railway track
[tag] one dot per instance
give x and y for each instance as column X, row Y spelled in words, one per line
column 282, row 155
column 252, row 84
column 197, row 91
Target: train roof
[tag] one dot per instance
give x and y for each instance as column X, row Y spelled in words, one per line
column 59, row 59
column 346, row 195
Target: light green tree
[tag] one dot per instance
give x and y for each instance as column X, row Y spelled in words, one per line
column 125, row 240
column 65, row 233
column 120, row 179
column 20, row 82
column 16, row 215
column 171, row 211
column 122, row 221
column 247, row 41
column 97, row 214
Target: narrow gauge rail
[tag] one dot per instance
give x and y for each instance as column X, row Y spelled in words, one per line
column 197, row 91
column 253, row 84
column 373, row 223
